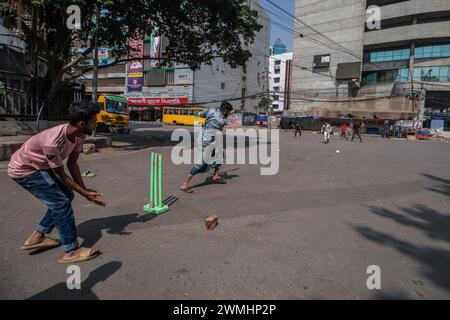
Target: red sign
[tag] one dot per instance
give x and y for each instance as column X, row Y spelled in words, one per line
column 156, row 101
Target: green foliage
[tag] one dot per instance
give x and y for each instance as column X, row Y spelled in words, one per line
column 264, row 104
column 198, row 30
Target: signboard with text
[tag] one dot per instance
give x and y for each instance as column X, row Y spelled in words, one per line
column 150, row 101
column 135, row 67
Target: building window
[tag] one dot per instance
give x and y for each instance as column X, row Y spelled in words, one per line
column 170, row 77
column 277, row 71
column 277, row 62
column 386, row 76
column 276, row 89
column 275, row 106
column 222, row 86
column 276, row 97
column 389, row 55
column 435, row 51
column 276, row 80
column 438, row 73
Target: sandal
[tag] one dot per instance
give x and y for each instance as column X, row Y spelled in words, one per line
column 88, row 174
column 45, row 243
column 84, row 254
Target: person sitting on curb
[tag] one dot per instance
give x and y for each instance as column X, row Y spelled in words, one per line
column 38, row 167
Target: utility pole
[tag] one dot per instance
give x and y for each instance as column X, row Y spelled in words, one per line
column 95, row 75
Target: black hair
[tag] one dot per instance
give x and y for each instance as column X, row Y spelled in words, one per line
column 226, row 106
column 82, row 110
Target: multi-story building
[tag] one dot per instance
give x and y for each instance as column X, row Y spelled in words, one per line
column 280, row 73
column 111, row 79
column 149, row 86
column 348, row 63
column 278, row 48
column 208, row 85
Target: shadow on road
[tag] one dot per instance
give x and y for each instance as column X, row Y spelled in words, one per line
column 443, row 188
column 225, row 176
column 61, row 292
column 91, row 230
column 143, row 140
column 435, row 262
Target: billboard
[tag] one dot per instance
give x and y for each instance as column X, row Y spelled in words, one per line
column 151, row 101
column 135, row 67
column 102, row 56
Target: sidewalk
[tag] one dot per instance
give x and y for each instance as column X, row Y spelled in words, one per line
column 10, row 144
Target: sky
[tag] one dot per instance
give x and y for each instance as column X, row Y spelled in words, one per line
column 285, row 36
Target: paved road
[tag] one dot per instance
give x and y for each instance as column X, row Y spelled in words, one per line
column 309, row 232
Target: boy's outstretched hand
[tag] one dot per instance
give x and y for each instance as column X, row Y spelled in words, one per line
column 94, row 196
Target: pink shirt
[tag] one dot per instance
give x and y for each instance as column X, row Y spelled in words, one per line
column 44, row 151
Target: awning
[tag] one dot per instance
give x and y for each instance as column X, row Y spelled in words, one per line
column 348, row 70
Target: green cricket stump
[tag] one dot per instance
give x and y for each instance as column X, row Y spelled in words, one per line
column 156, row 205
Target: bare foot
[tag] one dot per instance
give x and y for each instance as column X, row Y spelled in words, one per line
column 184, row 187
column 217, row 178
column 35, row 238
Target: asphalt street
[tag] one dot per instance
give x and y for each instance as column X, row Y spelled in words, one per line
column 308, row 232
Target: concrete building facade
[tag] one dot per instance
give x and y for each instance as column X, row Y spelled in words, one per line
column 391, row 70
column 280, row 69
column 219, row 81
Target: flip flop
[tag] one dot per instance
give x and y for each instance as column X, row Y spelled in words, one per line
column 45, row 243
column 187, row 190
column 88, row 174
column 84, row 254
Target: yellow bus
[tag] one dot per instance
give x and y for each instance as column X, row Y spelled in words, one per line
column 113, row 112
column 183, row 115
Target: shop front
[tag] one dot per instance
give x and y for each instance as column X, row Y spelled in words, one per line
column 149, row 108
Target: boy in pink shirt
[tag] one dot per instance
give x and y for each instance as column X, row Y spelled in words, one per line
column 38, row 167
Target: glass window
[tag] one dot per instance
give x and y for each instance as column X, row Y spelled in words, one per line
column 418, row 53
column 397, row 55
column 437, row 49
column 417, row 74
column 444, row 74
column 427, row 52
column 446, row 50
column 388, row 56
column 433, row 75
column 402, row 75
column 405, row 53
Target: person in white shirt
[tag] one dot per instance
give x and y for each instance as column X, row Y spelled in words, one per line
column 326, row 130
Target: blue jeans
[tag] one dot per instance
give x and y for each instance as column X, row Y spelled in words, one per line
column 45, row 186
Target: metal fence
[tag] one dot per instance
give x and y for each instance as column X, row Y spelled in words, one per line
column 22, row 100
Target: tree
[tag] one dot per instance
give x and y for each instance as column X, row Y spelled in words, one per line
column 264, row 104
column 198, row 31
